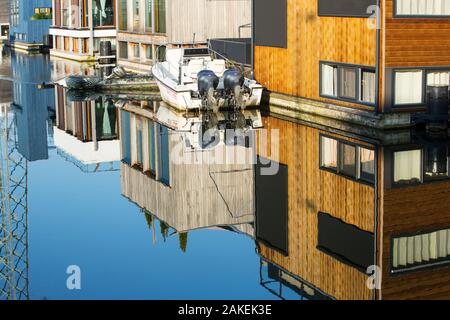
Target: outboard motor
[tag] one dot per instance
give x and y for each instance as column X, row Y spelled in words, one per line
column 232, row 78
column 207, row 82
column 232, row 83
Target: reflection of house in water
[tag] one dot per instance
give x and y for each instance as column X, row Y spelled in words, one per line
column 339, row 205
column 86, row 132
column 182, row 186
column 34, row 107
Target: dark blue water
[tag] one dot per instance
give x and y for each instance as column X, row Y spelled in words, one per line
column 79, row 217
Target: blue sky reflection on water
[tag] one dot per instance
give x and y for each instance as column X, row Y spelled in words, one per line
column 78, row 218
column 82, row 219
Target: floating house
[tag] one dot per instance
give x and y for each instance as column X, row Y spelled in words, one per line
column 146, row 28
column 29, row 23
column 387, row 224
column 4, row 20
column 86, row 131
column 76, row 33
column 352, row 59
column 186, row 188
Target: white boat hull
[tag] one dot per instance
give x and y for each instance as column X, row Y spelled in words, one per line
column 183, row 97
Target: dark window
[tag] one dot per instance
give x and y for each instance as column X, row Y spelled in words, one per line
column 270, row 23
column 123, row 50
column 346, row 8
column 125, row 137
column 164, row 158
column 345, row 242
column 272, row 207
column 347, row 163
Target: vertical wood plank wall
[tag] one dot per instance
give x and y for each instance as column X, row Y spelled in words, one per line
column 312, row 190
column 295, row 70
column 207, row 19
column 424, row 208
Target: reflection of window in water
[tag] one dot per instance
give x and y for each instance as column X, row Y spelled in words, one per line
column 408, row 166
column 145, row 146
column 348, row 159
column 420, row 251
column 105, row 116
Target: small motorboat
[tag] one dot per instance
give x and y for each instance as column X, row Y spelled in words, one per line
column 191, row 79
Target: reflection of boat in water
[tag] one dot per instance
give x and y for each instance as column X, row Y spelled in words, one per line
column 187, row 192
column 191, row 79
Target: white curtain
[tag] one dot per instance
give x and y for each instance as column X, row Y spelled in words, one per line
column 438, row 78
column 367, row 159
column 408, row 87
column 368, row 86
column 329, row 152
column 423, row 7
column 329, row 80
column 421, row 249
column 407, row 165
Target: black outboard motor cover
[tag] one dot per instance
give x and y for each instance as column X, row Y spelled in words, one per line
column 232, row 78
column 206, row 79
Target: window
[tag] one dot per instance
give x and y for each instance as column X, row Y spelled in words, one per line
column 136, row 50
column 123, row 50
column 270, row 23
column 103, row 13
column 438, row 78
column 161, row 51
column 368, row 85
column 328, row 149
column 408, row 87
column 347, row 159
column 347, row 163
column 408, row 167
column 123, row 15
column 345, row 8
column 125, row 136
column 136, row 15
column 345, row 242
column 148, row 52
column 422, row 8
column 151, row 147
column 349, row 83
column 329, row 80
column 65, row 13
column 420, row 251
column 367, row 162
column 164, row 164
column 139, row 146
column 160, row 16
column 148, row 15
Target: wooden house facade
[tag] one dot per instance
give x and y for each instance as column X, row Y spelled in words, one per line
column 349, row 218
column 372, row 55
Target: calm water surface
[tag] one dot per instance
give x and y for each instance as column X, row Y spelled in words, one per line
column 95, row 186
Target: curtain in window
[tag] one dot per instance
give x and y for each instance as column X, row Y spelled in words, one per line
column 421, row 249
column 408, row 87
column 423, row 7
column 329, row 80
column 348, row 83
column 329, row 153
column 407, row 166
column 438, row 78
column 368, row 86
column 367, row 159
